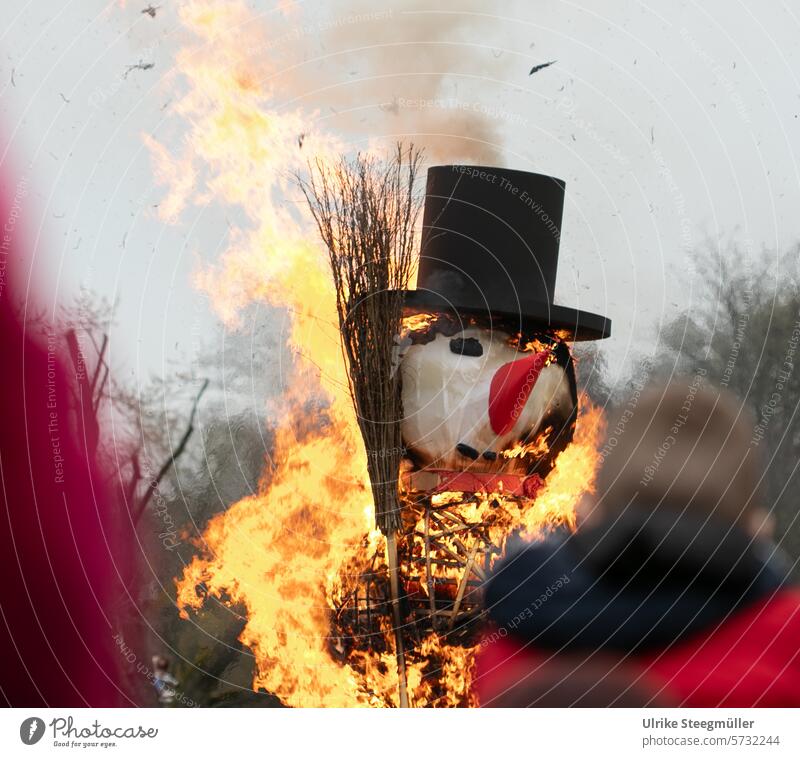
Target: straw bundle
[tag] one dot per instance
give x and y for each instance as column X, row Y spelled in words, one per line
column 366, row 212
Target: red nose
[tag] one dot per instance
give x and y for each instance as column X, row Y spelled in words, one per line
column 511, row 386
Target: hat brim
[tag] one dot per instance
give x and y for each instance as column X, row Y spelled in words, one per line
column 571, row 324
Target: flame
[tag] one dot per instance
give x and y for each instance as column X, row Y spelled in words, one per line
column 536, row 448
column 419, row 322
column 531, row 345
column 573, row 475
column 277, row 553
column 294, row 552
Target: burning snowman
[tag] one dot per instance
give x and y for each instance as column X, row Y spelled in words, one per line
column 488, row 383
column 489, row 400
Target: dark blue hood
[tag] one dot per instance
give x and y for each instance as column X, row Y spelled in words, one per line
column 646, row 580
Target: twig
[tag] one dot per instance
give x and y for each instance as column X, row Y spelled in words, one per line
column 462, row 587
column 100, row 361
column 91, row 427
column 178, row 451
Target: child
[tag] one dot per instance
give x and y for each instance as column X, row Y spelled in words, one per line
column 671, row 578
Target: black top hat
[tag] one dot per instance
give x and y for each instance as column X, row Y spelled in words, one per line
column 490, row 239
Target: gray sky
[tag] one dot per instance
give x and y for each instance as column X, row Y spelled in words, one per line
column 671, row 123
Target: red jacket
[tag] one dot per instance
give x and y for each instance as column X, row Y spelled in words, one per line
column 752, row 659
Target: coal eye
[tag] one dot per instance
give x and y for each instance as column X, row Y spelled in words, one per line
column 470, row 347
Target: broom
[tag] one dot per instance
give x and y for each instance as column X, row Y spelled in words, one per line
column 366, row 212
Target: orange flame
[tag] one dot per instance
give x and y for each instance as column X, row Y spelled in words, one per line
column 278, row 552
column 572, row 477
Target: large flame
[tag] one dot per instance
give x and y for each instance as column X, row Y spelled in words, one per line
column 276, row 552
column 285, row 554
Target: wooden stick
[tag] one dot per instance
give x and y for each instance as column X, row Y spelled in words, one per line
column 446, row 531
column 369, row 609
column 451, row 582
column 394, row 583
column 428, row 574
column 458, row 560
column 439, row 561
column 463, row 586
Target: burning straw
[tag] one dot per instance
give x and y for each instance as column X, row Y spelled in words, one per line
column 366, row 212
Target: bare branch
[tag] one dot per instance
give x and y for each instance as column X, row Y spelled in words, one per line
column 98, row 396
column 135, row 477
column 176, row 453
column 90, row 425
column 100, row 361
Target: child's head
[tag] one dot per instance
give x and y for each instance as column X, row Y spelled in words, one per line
column 685, row 446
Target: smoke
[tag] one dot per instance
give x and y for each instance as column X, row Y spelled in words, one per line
column 380, row 72
column 261, row 94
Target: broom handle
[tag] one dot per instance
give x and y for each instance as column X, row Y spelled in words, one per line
column 394, row 584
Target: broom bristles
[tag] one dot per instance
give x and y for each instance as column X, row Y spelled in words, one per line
column 366, row 213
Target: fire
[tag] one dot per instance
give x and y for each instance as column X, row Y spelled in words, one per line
column 530, row 345
column 295, row 556
column 419, row 322
column 572, row 477
column 535, row 448
column 279, row 552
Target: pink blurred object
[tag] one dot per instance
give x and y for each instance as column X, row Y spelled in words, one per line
column 61, row 558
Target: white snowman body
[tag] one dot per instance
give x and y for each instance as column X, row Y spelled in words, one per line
column 446, row 397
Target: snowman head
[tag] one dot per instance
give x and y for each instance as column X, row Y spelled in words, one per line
column 479, row 398
column 488, row 262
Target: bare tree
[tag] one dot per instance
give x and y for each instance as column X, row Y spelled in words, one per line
column 745, row 335
column 123, row 428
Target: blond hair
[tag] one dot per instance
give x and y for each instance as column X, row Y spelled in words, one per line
column 682, row 445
